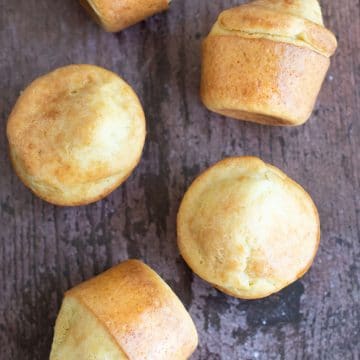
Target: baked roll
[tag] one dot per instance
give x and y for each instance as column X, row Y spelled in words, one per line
column 116, row 15
column 127, row 312
column 76, row 134
column 265, row 61
column 247, row 229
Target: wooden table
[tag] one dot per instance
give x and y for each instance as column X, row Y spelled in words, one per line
column 45, row 250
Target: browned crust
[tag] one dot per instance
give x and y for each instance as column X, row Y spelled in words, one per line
column 260, row 80
column 140, row 311
column 114, row 16
column 251, row 161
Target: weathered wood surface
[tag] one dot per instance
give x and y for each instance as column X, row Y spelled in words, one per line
column 44, row 250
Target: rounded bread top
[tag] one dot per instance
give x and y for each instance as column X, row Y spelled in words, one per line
column 292, row 21
column 78, row 124
column 247, row 228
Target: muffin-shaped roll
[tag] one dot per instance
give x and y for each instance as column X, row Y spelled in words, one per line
column 116, row 15
column 265, row 61
column 247, row 229
column 76, row 134
column 127, row 312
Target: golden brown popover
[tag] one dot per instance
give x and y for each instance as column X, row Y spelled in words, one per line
column 265, row 61
column 125, row 313
column 247, row 228
column 116, row 15
column 76, row 134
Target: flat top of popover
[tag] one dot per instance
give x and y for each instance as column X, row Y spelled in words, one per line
column 76, row 125
column 291, row 21
column 247, row 228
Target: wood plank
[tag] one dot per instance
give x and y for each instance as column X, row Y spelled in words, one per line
column 44, row 250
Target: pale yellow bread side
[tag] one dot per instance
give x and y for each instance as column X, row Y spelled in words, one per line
column 76, row 134
column 138, row 311
column 306, row 9
column 247, row 228
column 79, row 335
column 116, row 15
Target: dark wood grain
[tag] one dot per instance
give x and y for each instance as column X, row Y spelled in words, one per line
column 44, row 250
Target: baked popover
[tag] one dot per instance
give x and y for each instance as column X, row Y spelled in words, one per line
column 265, row 61
column 76, row 134
column 247, row 228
